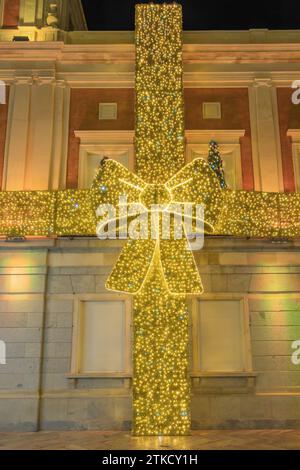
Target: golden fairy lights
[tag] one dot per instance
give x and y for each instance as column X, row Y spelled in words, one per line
column 72, row 212
column 159, row 92
column 161, row 391
column 158, row 272
column 260, row 215
column 27, row 213
column 194, row 184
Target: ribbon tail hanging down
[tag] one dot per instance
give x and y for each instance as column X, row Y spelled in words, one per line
column 179, row 267
column 132, row 267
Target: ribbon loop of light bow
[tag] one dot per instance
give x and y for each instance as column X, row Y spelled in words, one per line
column 195, row 185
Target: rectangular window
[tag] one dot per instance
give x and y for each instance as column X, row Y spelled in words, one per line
column 221, row 339
column 95, row 145
column 101, row 337
column 229, row 141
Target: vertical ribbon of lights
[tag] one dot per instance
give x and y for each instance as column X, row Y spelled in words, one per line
column 161, row 389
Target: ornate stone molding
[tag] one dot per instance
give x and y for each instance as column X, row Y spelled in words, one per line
column 104, row 137
column 227, row 136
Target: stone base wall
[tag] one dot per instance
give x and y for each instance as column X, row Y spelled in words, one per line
column 39, row 281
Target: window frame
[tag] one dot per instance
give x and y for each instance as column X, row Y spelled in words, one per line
column 229, row 141
column 196, row 335
column 112, row 144
column 79, row 300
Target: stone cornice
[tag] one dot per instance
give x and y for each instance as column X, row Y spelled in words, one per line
column 125, row 53
column 112, row 65
column 241, row 53
column 204, row 135
column 105, row 137
column 125, row 79
column 127, row 137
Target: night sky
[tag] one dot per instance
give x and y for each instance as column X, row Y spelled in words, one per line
column 200, row 14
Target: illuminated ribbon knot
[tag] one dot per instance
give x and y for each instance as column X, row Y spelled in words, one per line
column 195, row 185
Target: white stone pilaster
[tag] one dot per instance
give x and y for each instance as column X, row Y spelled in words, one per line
column 17, row 134
column 1, row 12
column 38, row 162
column 37, row 137
column 265, row 136
column 60, row 136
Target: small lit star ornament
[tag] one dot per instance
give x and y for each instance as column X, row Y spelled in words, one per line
column 195, row 185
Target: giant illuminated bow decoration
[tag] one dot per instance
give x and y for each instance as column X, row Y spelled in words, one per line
column 195, row 184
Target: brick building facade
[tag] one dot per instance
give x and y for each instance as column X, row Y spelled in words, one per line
column 69, row 102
